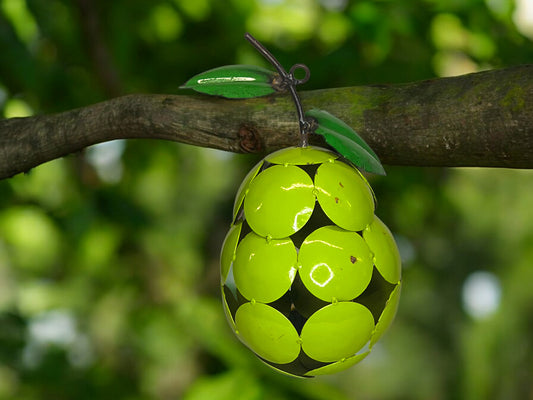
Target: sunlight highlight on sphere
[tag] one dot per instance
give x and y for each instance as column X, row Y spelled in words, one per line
column 481, row 294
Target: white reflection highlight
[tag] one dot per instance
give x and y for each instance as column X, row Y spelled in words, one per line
column 298, row 185
column 292, row 273
column 324, row 192
column 303, row 214
column 225, row 79
column 324, row 243
column 320, row 267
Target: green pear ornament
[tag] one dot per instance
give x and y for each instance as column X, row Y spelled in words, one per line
column 310, row 276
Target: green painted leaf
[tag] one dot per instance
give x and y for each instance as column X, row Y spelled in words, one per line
column 346, row 141
column 233, row 82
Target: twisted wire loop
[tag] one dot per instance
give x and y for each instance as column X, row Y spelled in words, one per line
column 283, row 81
column 293, row 76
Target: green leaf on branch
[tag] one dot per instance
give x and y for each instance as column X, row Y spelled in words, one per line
column 234, row 82
column 346, row 141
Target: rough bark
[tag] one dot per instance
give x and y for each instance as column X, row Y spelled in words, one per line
column 483, row 119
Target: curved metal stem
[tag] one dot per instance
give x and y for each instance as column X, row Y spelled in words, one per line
column 289, row 81
column 265, row 53
column 304, row 125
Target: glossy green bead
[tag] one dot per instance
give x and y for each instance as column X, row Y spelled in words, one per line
column 335, row 264
column 387, row 255
column 337, row 331
column 344, row 196
column 267, row 332
column 227, row 255
column 264, row 269
column 280, row 201
column 301, row 156
column 387, row 316
column 227, row 312
column 245, row 185
column 338, row 366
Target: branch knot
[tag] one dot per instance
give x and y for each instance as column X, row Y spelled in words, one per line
column 249, row 139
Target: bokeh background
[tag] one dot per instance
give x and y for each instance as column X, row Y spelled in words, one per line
column 109, row 283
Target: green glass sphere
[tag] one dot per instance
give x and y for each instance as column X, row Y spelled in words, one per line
column 310, row 277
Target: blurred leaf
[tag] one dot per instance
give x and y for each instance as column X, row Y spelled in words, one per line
column 344, row 139
column 202, row 317
column 12, row 337
column 233, row 81
column 17, row 108
column 197, row 10
column 164, row 24
column 21, row 18
column 334, row 29
column 237, row 384
column 34, row 239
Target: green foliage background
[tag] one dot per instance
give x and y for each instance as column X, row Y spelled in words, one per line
column 109, row 259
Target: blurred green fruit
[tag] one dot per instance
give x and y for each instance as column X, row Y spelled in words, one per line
column 310, row 276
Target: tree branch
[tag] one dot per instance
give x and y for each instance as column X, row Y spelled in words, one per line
column 483, row 119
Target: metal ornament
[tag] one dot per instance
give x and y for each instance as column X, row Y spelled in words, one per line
column 310, row 276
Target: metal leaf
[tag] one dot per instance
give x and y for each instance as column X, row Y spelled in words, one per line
column 346, row 141
column 234, row 82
